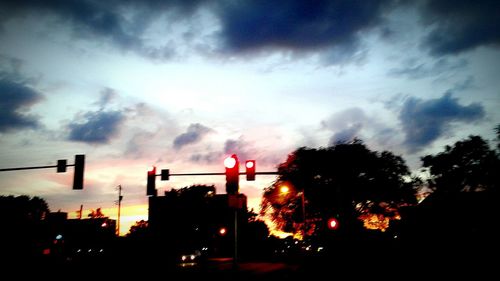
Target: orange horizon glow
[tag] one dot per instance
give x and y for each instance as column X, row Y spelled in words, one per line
column 129, row 215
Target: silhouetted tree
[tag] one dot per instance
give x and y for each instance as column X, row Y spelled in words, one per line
column 95, row 214
column 22, row 230
column 468, row 165
column 23, row 208
column 343, row 180
column 498, row 137
column 139, row 230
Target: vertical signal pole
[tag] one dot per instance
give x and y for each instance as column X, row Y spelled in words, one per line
column 120, row 197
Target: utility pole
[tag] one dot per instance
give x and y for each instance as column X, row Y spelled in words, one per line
column 304, row 228
column 120, row 197
column 80, row 212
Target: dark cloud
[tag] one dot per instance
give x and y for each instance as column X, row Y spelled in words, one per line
column 461, row 25
column 300, row 26
column 296, row 25
column 194, row 134
column 107, row 95
column 417, row 70
column 96, row 127
column 348, row 134
column 346, row 125
column 15, row 99
column 240, row 147
column 424, row 121
column 209, row 157
column 121, row 22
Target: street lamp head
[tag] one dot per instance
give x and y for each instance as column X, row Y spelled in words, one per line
column 284, row 189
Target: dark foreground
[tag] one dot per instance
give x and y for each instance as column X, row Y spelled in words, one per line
column 451, row 259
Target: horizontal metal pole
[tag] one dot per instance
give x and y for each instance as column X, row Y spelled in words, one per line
column 217, row 174
column 196, row 174
column 32, row 168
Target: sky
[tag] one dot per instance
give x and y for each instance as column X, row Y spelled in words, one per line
column 181, row 85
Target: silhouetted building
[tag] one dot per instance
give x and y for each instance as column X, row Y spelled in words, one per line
column 70, row 238
column 196, row 218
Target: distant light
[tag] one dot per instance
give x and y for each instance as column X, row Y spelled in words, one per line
column 222, row 231
column 333, row 223
column 284, row 189
column 46, row 251
column 59, row 237
column 249, row 164
column 90, row 250
column 104, row 224
column 192, row 257
column 183, row 258
column 229, row 162
column 320, row 249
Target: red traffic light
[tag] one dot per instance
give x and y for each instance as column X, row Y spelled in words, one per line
column 230, row 162
column 232, row 174
column 250, row 170
column 250, row 164
column 333, row 223
column 152, row 170
column 151, row 183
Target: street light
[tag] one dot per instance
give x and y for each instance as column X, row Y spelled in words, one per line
column 284, row 189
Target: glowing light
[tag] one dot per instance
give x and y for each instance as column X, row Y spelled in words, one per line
column 222, row 231
column 284, row 189
column 333, row 223
column 229, row 162
column 249, row 164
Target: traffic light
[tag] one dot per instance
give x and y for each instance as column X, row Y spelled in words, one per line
column 250, row 170
column 151, row 185
column 61, row 166
column 165, row 174
column 232, row 174
column 333, row 223
column 78, row 174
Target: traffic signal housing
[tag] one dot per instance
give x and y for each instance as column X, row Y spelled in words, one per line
column 165, row 174
column 61, row 166
column 151, row 184
column 250, row 170
column 232, row 166
column 78, row 174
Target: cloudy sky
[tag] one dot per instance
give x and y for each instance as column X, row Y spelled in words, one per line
column 182, row 84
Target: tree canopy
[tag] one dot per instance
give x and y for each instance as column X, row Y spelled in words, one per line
column 468, row 165
column 344, row 180
column 23, row 208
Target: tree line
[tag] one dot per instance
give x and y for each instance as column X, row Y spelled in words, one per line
column 349, row 181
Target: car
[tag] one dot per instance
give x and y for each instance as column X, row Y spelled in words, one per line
column 190, row 259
